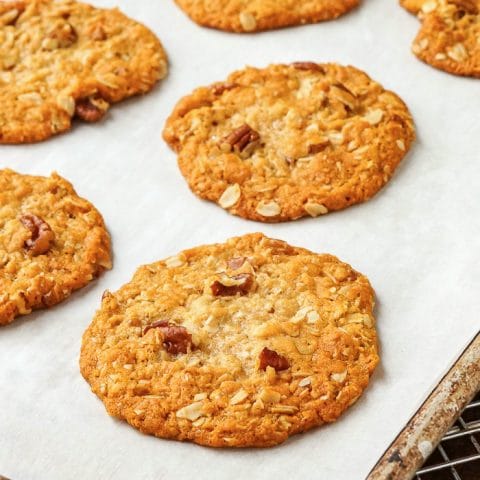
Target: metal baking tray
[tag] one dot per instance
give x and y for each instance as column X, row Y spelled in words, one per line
column 457, row 454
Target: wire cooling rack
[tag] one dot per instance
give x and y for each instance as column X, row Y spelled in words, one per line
column 456, row 454
column 457, row 457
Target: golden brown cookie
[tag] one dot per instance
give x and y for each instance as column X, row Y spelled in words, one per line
column 52, row 242
column 63, row 59
column 449, row 37
column 233, row 345
column 287, row 141
column 259, row 15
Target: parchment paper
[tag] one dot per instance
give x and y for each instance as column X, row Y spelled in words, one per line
column 417, row 241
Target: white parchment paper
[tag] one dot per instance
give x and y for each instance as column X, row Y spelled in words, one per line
column 417, row 241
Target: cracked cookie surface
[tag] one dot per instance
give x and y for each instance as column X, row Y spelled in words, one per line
column 233, row 345
column 258, row 15
column 52, row 242
column 449, row 37
column 61, row 60
column 288, row 141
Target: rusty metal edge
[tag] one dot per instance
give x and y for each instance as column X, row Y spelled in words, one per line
column 426, row 428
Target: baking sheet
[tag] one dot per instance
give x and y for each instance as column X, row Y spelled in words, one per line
column 418, row 241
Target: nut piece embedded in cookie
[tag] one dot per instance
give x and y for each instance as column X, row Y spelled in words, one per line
column 176, row 339
column 229, row 286
column 42, row 237
column 270, row 358
column 308, row 66
column 242, row 140
column 91, row 109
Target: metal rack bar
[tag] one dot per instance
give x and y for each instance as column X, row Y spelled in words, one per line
column 425, row 429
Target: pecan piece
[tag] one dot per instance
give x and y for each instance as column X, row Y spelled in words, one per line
column 308, row 66
column 63, row 35
column 230, row 286
column 318, row 147
column 42, row 236
column 176, row 339
column 270, row 358
column 91, row 109
column 341, row 93
column 242, row 140
column 236, row 263
column 219, row 88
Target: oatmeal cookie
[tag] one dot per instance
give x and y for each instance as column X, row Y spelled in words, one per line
column 61, row 60
column 288, row 141
column 259, row 15
column 449, row 37
column 233, row 345
column 52, row 242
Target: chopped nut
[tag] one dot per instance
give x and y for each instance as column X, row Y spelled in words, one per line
column 318, row 147
column 236, row 263
column 191, row 412
column 309, row 66
column 374, row 116
column 242, row 140
column 341, row 93
column 401, row 145
column 270, row 358
column 339, row 377
column 247, row 21
column 315, row 209
column 229, row 286
column 271, row 209
column 239, row 397
column 63, row 35
column 200, row 396
column 220, row 88
column 176, row 339
column 42, row 236
column 305, row 382
column 91, row 109
column 230, row 196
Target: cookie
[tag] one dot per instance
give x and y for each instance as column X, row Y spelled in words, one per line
column 288, row 141
column 258, row 15
column 52, row 242
column 61, row 60
column 233, row 345
column 449, row 37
